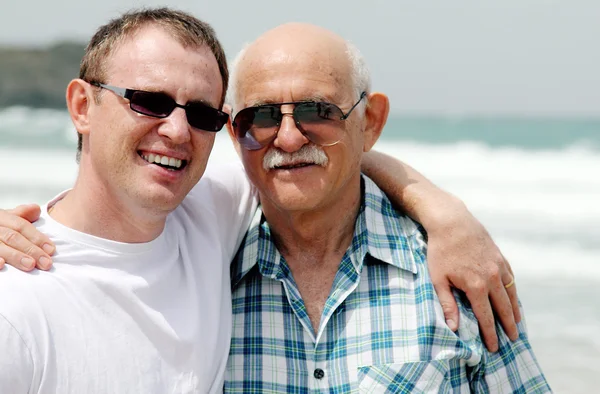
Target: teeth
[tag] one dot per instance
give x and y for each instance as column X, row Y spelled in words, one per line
column 163, row 160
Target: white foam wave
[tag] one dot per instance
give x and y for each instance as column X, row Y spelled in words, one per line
column 563, row 185
column 537, row 260
column 28, row 121
column 37, row 167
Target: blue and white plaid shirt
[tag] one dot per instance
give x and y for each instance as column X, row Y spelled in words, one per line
column 382, row 330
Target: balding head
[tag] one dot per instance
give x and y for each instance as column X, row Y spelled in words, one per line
column 297, row 45
column 299, row 120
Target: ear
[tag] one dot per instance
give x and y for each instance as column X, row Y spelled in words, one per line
column 376, row 114
column 228, row 110
column 79, row 98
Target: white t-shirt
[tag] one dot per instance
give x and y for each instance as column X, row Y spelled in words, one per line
column 129, row 318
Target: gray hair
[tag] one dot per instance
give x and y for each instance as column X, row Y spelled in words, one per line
column 360, row 74
column 233, row 76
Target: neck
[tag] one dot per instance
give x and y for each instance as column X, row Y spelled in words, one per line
column 99, row 211
column 325, row 231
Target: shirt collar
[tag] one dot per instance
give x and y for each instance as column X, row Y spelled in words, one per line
column 379, row 231
column 388, row 232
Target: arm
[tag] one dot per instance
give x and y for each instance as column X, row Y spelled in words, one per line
column 461, row 253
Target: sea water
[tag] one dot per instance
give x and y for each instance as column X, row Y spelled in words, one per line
column 534, row 183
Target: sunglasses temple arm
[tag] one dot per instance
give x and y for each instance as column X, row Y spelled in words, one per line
column 362, row 96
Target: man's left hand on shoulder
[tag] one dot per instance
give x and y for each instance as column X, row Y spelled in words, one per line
column 462, row 254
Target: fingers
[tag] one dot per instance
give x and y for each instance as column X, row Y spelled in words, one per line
column 16, row 259
column 504, row 309
column 480, row 303
column 449, row 306
column 514, row 301
column 511, row 290
column 29, row 212
column 21, row 244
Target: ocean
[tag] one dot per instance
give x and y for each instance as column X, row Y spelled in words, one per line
column 533, row 182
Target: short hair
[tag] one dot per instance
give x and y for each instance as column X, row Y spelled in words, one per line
column 183, row 27
column 359, row 72
column 361, row 75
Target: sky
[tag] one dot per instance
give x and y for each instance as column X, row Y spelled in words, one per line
column 458, row 57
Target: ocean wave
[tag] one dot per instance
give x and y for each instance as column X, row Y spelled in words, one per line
column 47, row 128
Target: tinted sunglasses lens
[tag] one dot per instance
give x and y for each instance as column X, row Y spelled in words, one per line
column 320, row 122
column 153, row 104
column 317, row 112
column 204, row 117
column 255, row 127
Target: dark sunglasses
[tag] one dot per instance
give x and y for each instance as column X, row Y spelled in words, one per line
column 255, row 127
column 160, row 105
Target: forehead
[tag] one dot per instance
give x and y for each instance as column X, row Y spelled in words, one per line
column 152, row 59
column 294, row 75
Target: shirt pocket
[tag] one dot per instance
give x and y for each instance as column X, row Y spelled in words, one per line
column 413, row 377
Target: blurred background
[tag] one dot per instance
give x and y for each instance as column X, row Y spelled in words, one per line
column 497, row 102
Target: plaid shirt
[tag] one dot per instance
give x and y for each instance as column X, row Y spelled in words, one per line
column 382, row 329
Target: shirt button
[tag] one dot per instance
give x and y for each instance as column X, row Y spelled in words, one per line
column 319, row 373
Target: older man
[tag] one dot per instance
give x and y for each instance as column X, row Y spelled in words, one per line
column 139, row 298
column 331, row 292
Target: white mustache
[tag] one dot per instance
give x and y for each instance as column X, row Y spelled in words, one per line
column 308, row 154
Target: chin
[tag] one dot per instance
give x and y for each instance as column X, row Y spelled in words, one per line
column 297, row 201
column 161, row 198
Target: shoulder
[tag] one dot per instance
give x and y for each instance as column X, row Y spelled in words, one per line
column 391, row 235
column 223, row 189
column 13, row 282
column 22, row 292
column 222, row 203
column 221, row 181
column 513, row 367
column 378, row 205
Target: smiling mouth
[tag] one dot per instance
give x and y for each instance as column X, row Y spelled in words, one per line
column 169, row 163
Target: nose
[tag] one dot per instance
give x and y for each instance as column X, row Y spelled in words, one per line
column 175, row 127
column 289, row 138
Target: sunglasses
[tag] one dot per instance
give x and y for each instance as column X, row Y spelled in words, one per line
column 160, row 105
column 255, row 127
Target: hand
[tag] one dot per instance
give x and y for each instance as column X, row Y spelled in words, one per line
column 462, row 254
column 21, row 244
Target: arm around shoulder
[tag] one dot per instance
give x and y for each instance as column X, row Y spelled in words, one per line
column 461, row 252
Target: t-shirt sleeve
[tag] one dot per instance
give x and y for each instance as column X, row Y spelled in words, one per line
column 235, row 201
column 16, row 362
